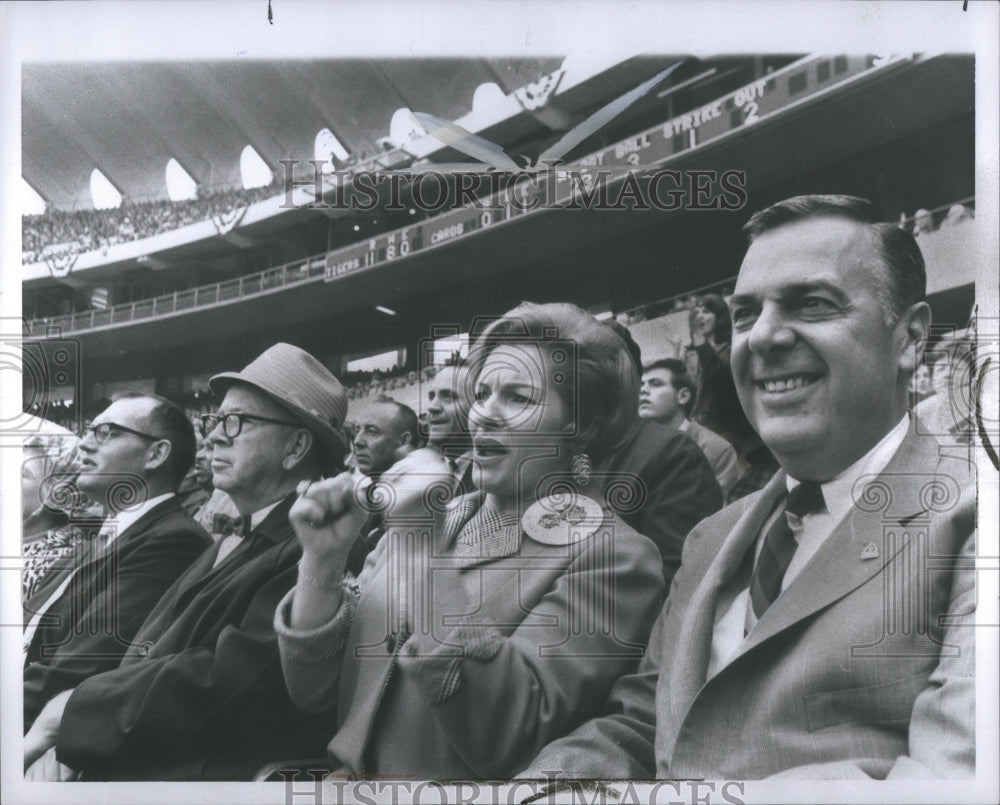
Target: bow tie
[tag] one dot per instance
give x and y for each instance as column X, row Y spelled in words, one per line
column 224, row 525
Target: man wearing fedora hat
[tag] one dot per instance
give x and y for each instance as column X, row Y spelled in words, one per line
column 199, row 694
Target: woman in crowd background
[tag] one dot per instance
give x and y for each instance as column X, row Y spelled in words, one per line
column 717, row 407
column 55, row 516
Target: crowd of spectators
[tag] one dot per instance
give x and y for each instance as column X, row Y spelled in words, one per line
column 926, row 221
column 272, row 598
column 374, row 384
column 362, row 384
column 87, row 230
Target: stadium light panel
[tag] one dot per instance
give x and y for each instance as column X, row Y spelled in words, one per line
column 328, row 145
column 103, row 194
column 180, row 185
column 403, row 128
column 254, row 170
column 31, row 202
column 486, row 96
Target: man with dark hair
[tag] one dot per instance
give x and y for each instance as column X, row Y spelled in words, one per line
column 904, row 276
column 657, row 478
column 83, row 617
column 199, row 695
column 169, row 420
column 666, row 397
column 822, row 628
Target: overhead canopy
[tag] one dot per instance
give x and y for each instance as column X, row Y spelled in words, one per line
column 129, row 119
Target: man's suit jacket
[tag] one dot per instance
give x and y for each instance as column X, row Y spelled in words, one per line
column 422, row 472
column 660, row 483
column 720, row 454
column 863, row 667
column 200, row 694
column 89, row 627
column 507, row 650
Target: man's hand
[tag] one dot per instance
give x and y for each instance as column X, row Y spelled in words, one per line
column 45, row 731
column 49, row 770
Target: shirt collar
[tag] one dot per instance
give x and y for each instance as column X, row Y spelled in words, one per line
column 258, row 516
column 837, row 492
column 116, row 524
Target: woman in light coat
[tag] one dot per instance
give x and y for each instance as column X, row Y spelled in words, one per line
column 482, row 629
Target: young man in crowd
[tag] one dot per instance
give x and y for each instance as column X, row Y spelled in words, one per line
column 667, row 397
column 657, row 479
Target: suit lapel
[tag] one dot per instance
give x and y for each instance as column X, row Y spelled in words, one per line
column 89, row 553
column 89, row 567
column 275, row 527
column 892, row 497
column 148, row 518
column 694, row 643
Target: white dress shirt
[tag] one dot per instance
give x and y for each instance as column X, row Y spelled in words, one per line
column 734, row 616
column 116, row 523
column 230, row 543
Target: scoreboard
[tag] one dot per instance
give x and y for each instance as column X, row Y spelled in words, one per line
column 399, row 243
column 536, row 189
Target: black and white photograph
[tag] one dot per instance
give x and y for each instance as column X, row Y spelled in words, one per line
column 500, row 402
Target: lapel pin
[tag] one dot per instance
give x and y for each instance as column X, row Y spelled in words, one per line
column 870, row 551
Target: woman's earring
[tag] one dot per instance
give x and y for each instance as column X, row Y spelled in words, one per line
column 582, row 469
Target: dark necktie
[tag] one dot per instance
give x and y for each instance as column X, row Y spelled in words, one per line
column 780, row 545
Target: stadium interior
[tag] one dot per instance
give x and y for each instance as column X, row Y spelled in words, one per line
column 159, row 294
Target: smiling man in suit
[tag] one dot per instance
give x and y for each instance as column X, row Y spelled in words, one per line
column 83, row 618
column 200, row 695
column 822, row 627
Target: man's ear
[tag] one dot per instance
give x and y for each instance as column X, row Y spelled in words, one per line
column 912, row 330
column 296, row 448
column 157, row 454
column 683, row 396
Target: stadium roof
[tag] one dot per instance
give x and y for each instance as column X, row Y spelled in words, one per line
column 129, row 118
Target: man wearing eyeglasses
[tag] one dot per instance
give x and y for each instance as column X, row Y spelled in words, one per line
column 83, row 618
column 200, row 695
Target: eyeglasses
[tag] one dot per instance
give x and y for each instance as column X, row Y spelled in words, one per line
column 103, row 431
column 232, row 424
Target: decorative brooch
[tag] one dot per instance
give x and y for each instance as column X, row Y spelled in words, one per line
column 563, row 519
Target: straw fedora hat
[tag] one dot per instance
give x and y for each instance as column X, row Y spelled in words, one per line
column 301, row 385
